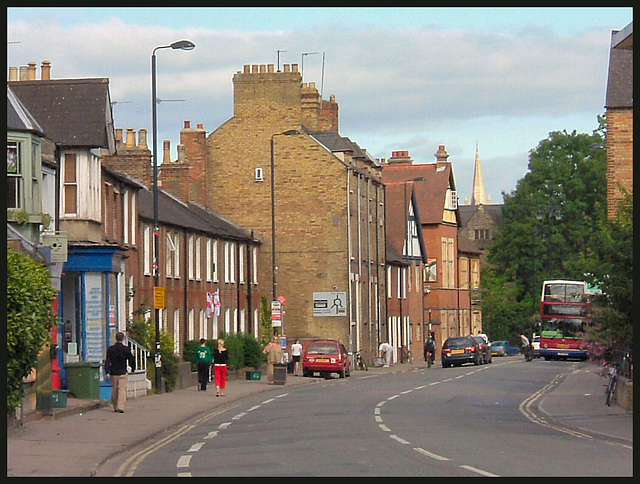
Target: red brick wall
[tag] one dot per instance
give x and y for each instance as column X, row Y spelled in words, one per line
column 619, row 156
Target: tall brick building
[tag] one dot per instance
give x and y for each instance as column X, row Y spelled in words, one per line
column 328, row 204
column 619, row 113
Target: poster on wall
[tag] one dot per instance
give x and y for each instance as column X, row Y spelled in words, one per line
column 95, row 317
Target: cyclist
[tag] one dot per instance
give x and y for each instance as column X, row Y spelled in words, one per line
column 430, row 349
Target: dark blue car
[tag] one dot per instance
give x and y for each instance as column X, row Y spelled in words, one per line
column 504, row 348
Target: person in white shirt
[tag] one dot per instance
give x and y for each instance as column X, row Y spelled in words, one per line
column 296, row 352
column 386, row 351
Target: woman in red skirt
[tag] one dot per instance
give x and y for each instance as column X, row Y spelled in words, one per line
column 220, row 358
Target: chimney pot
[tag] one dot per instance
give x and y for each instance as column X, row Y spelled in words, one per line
column 119, row 135
column 142, row 139
column 200, row 126
column 31, row 71
column 45, row 71
column 131, row 138
column 187, row 124
column 167, row 151
column 13, row 73
column 23, row 73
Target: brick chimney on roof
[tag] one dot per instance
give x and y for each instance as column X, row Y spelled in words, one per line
column 441, row 155
column 400, row 158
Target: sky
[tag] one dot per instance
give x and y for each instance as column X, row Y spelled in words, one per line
column 406, row 78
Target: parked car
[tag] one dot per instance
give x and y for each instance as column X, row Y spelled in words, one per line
column 504, row 348
column 535, row 344
column 459, row 350
column 484, row 348
column 326, row 357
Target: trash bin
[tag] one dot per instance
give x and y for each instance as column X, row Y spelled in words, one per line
column 59, row 398
column 253, row 375
column 83, row 379
column 279, row 373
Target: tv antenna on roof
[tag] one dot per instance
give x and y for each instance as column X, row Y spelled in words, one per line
column 279, row 58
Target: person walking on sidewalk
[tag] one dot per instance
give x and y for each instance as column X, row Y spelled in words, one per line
column 220, row 358
column 274, row 355
column 296, row 352
column 203, row 360
column 118, row 358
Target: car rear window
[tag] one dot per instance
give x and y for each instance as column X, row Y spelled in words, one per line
column 322, row 349
column 457, row 343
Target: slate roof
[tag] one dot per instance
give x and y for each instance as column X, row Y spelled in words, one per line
column 493, row 210
column 175, row 212
column 72, row 112
column 18, row 116
column 334, row 142
column 431, row 188
column 397, row 198
column 620, row 79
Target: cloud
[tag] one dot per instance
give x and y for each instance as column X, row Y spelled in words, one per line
column 417, row 87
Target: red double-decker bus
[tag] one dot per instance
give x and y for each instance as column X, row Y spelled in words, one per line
column 564, row 317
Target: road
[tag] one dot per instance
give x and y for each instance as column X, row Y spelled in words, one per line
column 458, row 422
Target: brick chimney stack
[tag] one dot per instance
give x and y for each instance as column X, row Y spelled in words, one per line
column 441, row 155
column 400, row 158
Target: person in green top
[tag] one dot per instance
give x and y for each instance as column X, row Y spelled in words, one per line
column 203, row 359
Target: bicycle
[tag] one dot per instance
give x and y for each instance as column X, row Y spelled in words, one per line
column 405, row 355
column 431, row 358
column 360, row 362
column 611, row 384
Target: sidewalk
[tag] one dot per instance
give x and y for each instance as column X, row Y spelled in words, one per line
column 79, row 438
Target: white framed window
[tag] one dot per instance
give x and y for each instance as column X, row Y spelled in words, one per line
column 254, row 261
column 229, row 262
column 176, row 331
column 190, row 257
column 170, row 254
column 198, row 261
column 147, row 252
column 134, row 219
column 389, row 287
column 241, row 257
column 125, row 221
column 214, row 261
column 259, row 174
column 202, row 324
column 191, row 324
column 208, row 262
column 70, row 184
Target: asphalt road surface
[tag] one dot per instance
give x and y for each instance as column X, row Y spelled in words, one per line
column 456, row 422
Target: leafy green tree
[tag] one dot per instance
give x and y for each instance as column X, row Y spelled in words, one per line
column 549, row 229
column 29, row 320
column 550, row 221
column 612, row 271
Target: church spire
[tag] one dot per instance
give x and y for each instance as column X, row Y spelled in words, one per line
column 478, row 194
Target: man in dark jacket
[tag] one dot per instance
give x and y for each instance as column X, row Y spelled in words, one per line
column 115, row 365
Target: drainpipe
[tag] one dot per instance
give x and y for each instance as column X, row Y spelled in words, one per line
column 350, row 252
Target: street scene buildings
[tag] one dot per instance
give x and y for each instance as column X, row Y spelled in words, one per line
column 273, row 209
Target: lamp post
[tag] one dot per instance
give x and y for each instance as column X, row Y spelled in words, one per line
column 273, row 211
column 181, row 45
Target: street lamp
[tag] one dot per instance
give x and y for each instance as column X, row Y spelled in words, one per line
column 273, row 210
column 181, row 45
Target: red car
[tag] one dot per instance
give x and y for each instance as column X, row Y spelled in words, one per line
column 326, row 357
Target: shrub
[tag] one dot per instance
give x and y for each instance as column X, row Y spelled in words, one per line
column 29, row 320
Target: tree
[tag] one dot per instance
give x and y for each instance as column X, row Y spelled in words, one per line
column 549, row 229
column 550, row 221
column 29, row 320
column 612, row 271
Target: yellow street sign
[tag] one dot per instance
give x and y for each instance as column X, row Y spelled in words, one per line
column 158, row 297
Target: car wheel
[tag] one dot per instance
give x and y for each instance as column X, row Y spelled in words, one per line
column 307, row 373
column 445, row 365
